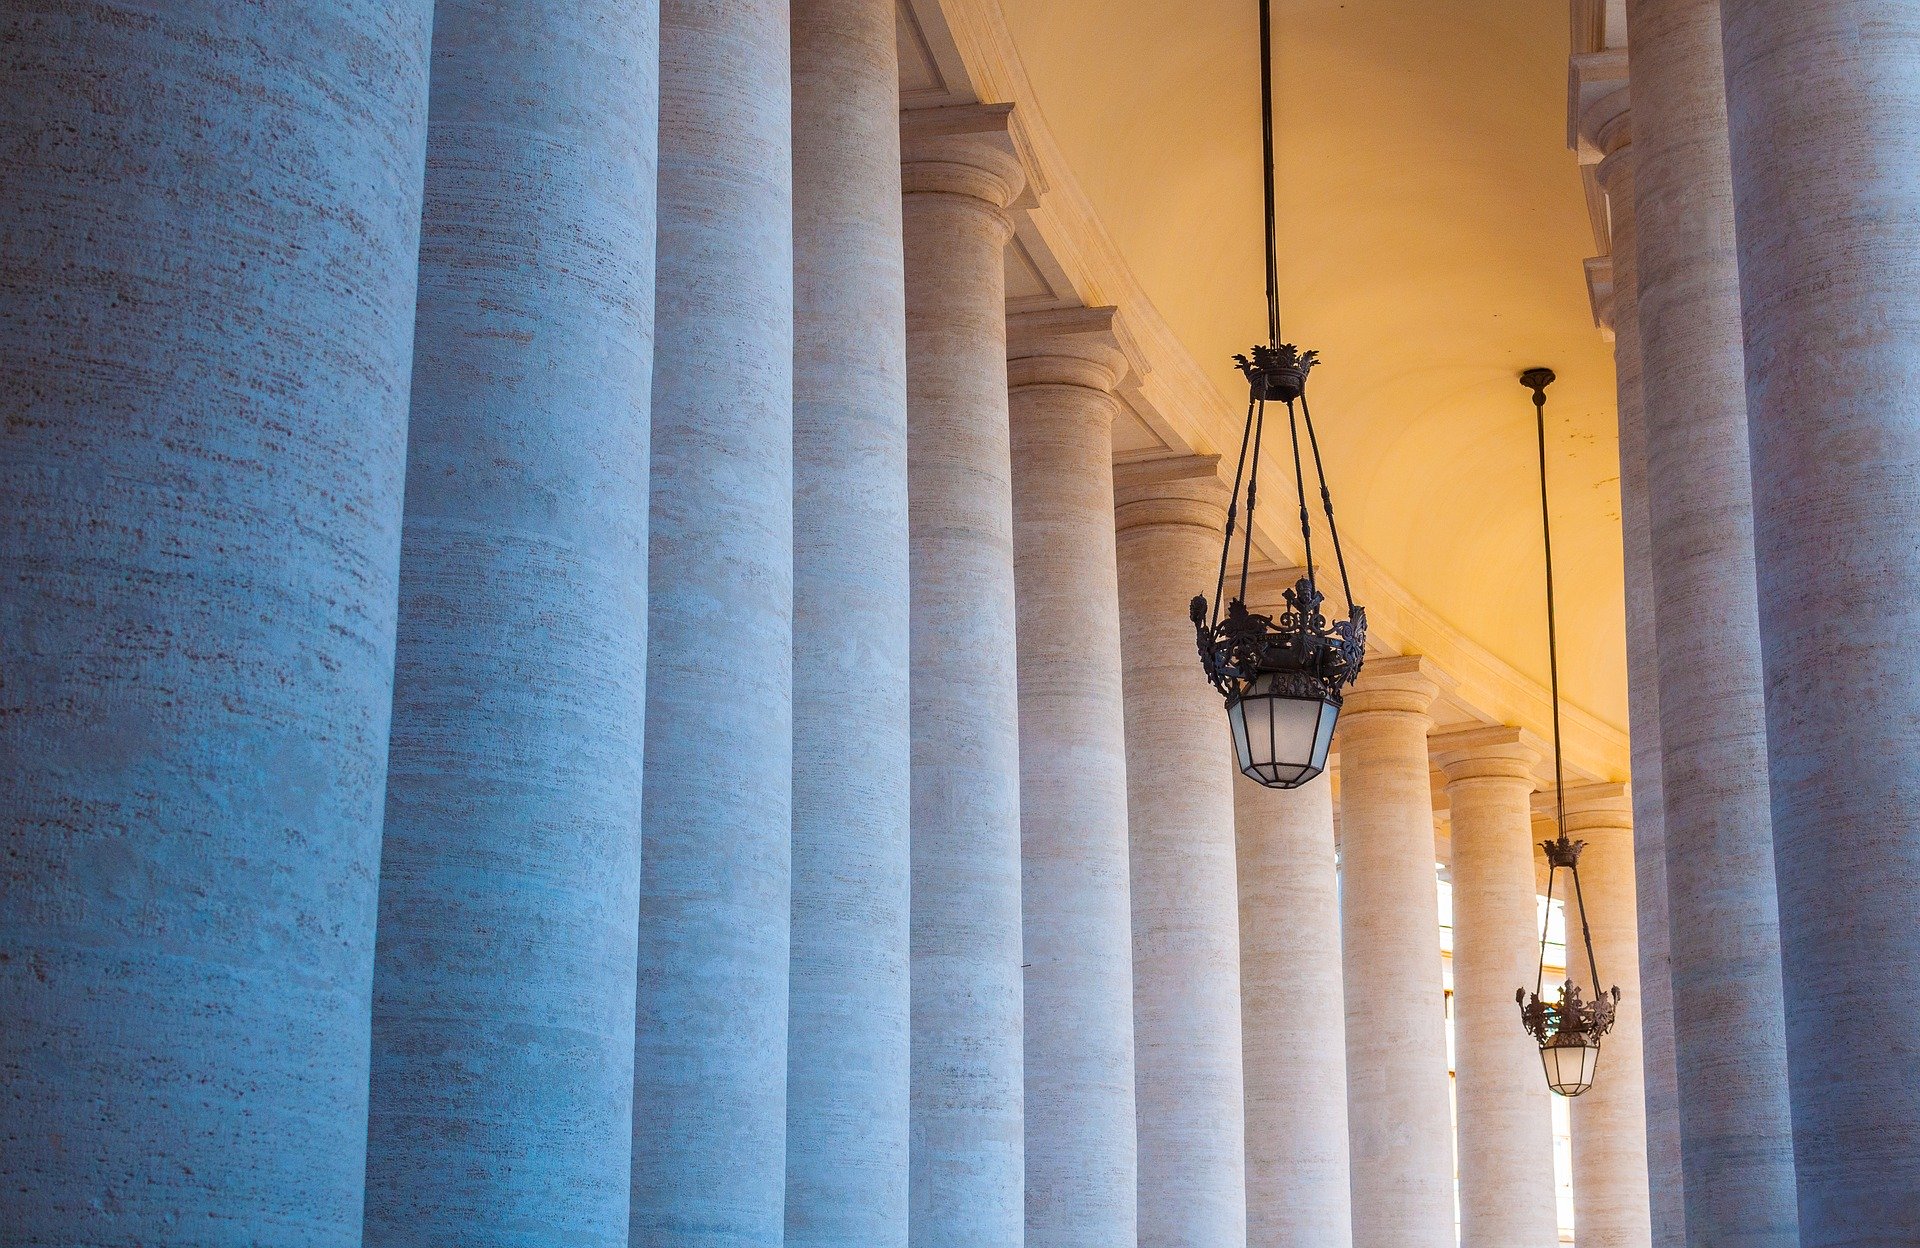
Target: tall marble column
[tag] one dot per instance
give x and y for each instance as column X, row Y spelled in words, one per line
column 502, row 1085
column 1823, row 98
column 1186, row 907
column 967, row 1169
column 1293, row 1017
column 1734, row 1114
column 710, row 1064
column 847, row 1059
column 1610, row 1207
column 212, row 222
column 1397, row 1110
column 1505, row 1120
column 1080, row 1146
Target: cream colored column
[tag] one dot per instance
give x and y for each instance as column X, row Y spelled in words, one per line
column 1062, row 367
column 1397, row 1110
column 1505, row 1120
column 965, row 1141
column 1186, row 912
column 1734, row 1112
column 1823, row 97
column 1609, row 1120
column 1293, row 1017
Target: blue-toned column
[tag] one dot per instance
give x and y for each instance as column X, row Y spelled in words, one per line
column 1063, row 366
column 961, row 176
column 710, row 1061
column 1823, row 98
column 847, row 1061
column 503, row 990
column 211, row 228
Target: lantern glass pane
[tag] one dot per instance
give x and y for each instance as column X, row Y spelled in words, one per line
column 1570, row 1067
column 1281, row 741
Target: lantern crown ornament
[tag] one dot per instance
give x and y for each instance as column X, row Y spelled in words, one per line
column 1282, row 677
column 1568, row 1028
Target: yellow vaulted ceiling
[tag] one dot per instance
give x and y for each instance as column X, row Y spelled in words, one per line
column 1432, row 233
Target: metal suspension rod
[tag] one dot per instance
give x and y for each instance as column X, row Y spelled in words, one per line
column 1537, row 380
column 1326, row 501
column 1300, row 486
column 1253, row 485
column 1233, row 505
column 1266, row 136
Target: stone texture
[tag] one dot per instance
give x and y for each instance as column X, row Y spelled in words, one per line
column 847, row 1061
column 1397, row 1110
column 1080, row 1145
column 1293, row 1017
column 710, row 1067
column 502, row 1086
column 212, row 215
column 1823, row 98
column 966, row 1183
column 1725, row 934
column 1186, row 908
column 1504, row 1118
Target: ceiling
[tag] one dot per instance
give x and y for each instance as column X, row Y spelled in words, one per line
column 1433, row 229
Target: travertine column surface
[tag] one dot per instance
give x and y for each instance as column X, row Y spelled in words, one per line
column 1080, row 1146
column 1734, row 1115
column 1609, row 1119
column 961, row 176
column 847, row 1061
column 1824, row 100
column 1397, row 1104
column 1293, row 1017
column 211, row 230
column 710, row 1064
column 1186, row 908
column 1505, row 1120
column 502, row 1091
column 1666, row 1189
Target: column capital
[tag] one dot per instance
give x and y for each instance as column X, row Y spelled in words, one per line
column 970, row 150
column 1087, row 347
column 1180, row 489
column 1489, row 752
column 1597, row 104
column 1404, row 684
column 1593, row 807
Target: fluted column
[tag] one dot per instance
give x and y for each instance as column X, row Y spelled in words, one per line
column 847, row 1060
column 1080, row 1148
column 967, row 1185
column 710, row 1069
column 1397, row 1110
column 1186, row 915
column 1734, row 1115
column 212, row 222
column 1609, row 1119
column 502, row 1090
column 1505, row 1120
column 1823, row 99
column 1292, row 1012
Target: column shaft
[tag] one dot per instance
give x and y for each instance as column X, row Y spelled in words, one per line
column 212, row 227
column 1293, row 1018
column 1397, row 1111
column 502, row 1088
column 1823, row 98
column 847, row 1061
column 967, row 1185
column 1080, row 1146
column 1186, row 909
column 710, row 1069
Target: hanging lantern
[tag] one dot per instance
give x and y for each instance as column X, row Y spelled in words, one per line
column 1283, row 678
column 1567, row 1029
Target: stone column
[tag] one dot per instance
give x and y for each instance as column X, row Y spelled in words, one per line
column 710, row 1069
column 1397, row 1103
column 1505, row 1119
column 502, row 1087
column 847, row 1060
column 1080, row 1145
column 212, row 225
column 967, row 1185
column 1292, row 1012
column 1823, row 99
column 1609, row 1119
column 1734, row 1114
column 1186, row 909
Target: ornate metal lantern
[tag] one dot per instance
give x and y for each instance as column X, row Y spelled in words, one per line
column 1567, row 1029
column 1282, row 678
